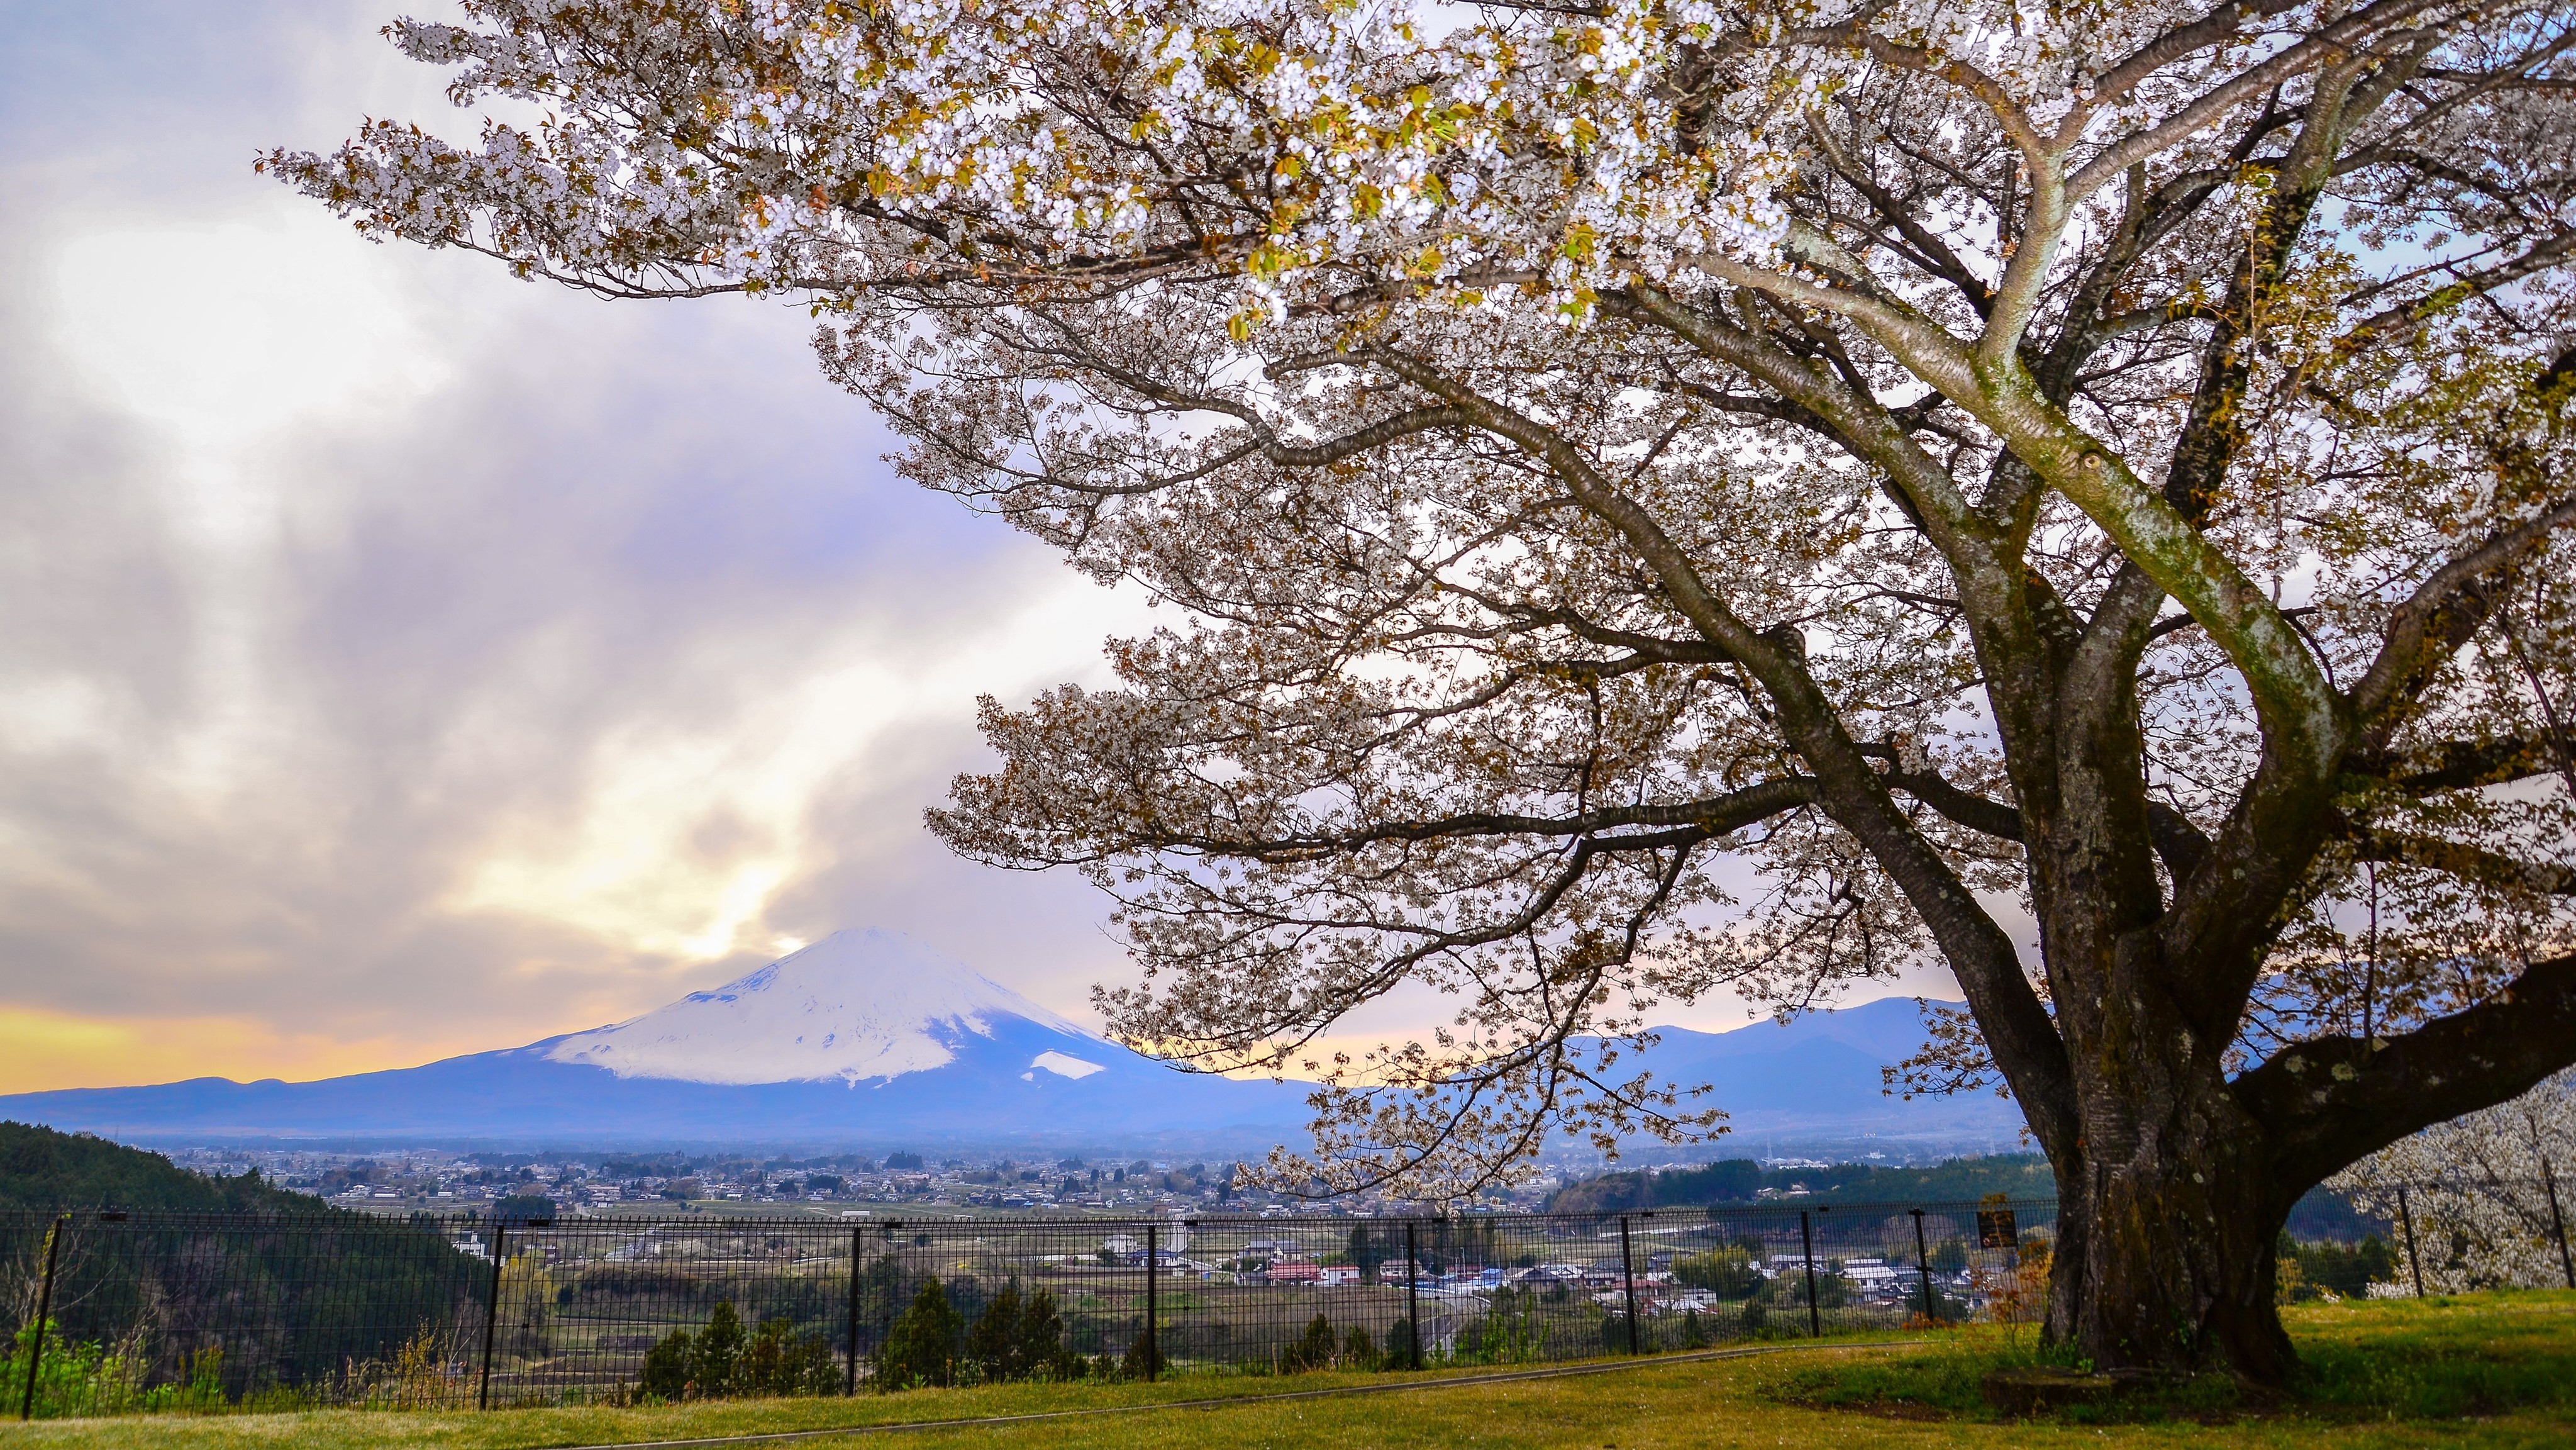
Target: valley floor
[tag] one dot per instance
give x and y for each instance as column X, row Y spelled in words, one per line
column 2488, row 1370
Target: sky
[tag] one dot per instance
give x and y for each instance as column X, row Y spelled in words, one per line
column 400, row 660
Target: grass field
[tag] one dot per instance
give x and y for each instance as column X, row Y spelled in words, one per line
column 2493, row 1370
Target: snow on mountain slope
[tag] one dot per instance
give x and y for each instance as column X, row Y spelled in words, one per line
column 857, row 1006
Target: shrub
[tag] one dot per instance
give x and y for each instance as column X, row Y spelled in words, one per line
column 527, row 1301
column 1512, row 1332
column 719, row 1352
column 666, row 1366
column 994, row 1344
column 722, row 1362
column 1314, row 1351
column 922, row 1347
column 780, row 1361
column 1143, row 1360
column 1042, row 1339
column 85, row 1379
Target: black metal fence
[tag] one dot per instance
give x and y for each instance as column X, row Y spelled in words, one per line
column 125, row 1312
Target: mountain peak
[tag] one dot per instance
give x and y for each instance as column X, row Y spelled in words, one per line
column 856, row 1006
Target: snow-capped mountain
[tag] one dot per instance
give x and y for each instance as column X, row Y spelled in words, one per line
column 856, row 1007
column 863, row 1039
column 870, row 1039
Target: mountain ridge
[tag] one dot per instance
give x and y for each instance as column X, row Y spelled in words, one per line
column 872, row 1040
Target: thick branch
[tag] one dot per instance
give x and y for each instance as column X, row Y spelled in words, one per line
column 2470, row 765
column 2469, row 863
column 1713, row 817
column 2440, row 616
column 2329, row 1102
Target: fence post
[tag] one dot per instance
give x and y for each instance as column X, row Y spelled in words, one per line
column 894, row 1289
column 1923, row 1266
column 1412, row 1297
column 1153, row 1339
column 44, row 1310
column 1807, row 1235
column 1628, row 1280
column 2406, row 1220
column 850, row 1385
column 491, row 1318
column 2558, row 1224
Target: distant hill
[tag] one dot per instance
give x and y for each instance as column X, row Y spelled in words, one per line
column 1812, row 1087
column 43, row 1168
column 1741, row 1180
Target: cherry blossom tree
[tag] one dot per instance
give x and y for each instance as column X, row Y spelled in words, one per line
column 1669, row 497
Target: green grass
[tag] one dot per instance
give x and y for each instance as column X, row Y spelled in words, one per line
column 2492, row 1370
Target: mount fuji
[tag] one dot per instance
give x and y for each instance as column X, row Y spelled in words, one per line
column 869, row 1039
column 862, row 1039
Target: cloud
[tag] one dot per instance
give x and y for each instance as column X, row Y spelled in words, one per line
column 398, row 659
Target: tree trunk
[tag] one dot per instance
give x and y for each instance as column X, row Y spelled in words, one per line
column 2169, row 1213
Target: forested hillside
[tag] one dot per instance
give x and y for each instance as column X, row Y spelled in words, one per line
column 41, row 1168
column 330, row 1287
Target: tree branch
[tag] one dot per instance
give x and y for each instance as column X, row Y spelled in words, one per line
column 1987, row 965
column 2439, row 617
column 2472, row 764
column 2469, row 863
column 2330, row 1101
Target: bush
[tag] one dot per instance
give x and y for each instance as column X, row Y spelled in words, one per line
column 1399, row 1344
column 719, row 1352
column 1143, row 1360
column 1042, row 1341
column 527, row 1301
column 722, row 1362
column 1511, row 1332
column 1756, row 1316
column 666, row 1367
column 88, row 1379
column 922, row 1347
column 994, row 1343
column 780, row 1361
column 1018, row 1338
column 1314, row 1351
